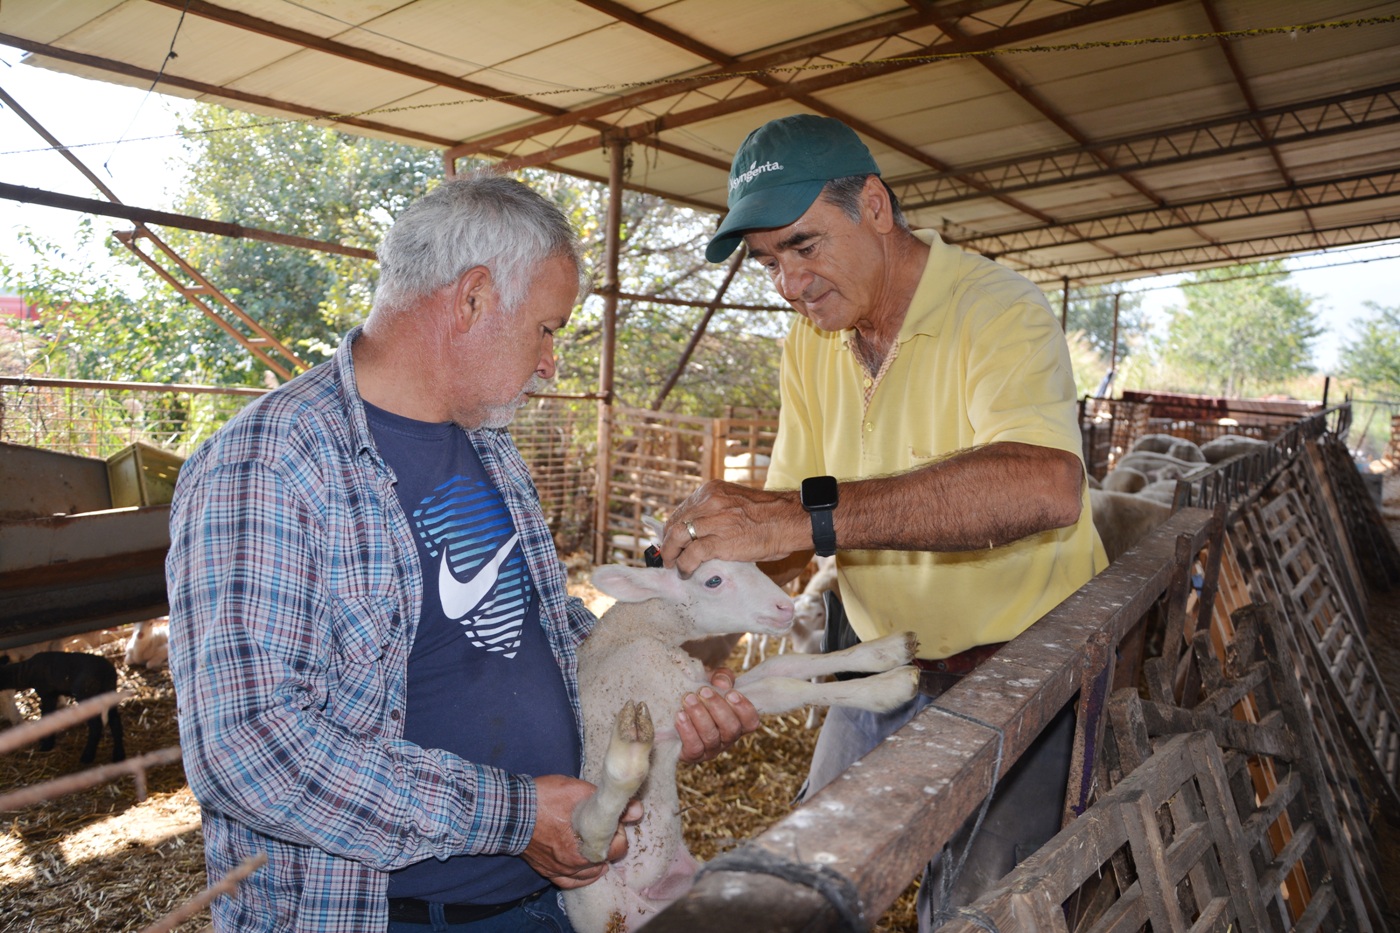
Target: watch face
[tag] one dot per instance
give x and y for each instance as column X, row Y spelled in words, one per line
column 819, row 492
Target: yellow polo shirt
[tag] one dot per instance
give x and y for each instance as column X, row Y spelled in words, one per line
column 980, row 359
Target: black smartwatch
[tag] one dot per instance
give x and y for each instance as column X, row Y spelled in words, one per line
column 819, row 498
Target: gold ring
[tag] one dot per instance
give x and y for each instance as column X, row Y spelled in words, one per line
column 690, row 527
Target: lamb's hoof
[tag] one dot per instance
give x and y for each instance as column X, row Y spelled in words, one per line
column 629, row 753
column 911, row 645
column 891, row 689
column 634, row 723
column 883, row 654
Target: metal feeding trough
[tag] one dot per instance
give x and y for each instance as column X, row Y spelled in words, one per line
column 82, row 540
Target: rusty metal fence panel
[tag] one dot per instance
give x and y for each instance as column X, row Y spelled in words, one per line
column 1110, row 427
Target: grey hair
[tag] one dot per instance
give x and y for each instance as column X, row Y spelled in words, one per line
column 482, row 219
column 845, row 194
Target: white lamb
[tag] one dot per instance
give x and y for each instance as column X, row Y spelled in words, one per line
column 632, row 671
column 149, row 645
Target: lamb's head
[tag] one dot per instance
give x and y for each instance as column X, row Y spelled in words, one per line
column 720, row 598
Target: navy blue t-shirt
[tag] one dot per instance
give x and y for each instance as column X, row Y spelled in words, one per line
column 482, row 682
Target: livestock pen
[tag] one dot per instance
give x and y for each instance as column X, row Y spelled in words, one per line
column 1235, row 745
column 1240, row 624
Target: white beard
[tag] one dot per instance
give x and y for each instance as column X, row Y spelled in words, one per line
column 499, row 416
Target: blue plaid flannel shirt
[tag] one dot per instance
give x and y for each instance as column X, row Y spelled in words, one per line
column 294, row 595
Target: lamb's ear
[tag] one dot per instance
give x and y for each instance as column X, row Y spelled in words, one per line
column 654, row 527
column 635, row 584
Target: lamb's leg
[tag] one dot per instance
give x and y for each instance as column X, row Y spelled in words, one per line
column 867, row 657
column 878, row 693
column 94, row 736
column 48, row 702
column 625, row 766
column 114, row 726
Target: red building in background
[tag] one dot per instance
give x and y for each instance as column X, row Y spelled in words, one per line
column 14, row 306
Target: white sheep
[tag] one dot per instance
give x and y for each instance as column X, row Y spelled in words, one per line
column 1177, row 447
column 632, row 671
column 1124, row 479
column 1158, row 466
column 149, row 645
column 1124, row 519
column 748, row 468
column 1228, row 446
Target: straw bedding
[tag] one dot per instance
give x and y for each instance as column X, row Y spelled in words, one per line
column 98, row 860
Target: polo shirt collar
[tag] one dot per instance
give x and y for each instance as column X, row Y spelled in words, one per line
column 929, row 307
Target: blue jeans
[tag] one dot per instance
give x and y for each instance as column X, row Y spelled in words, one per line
column 1024, row 813
column 542, row 915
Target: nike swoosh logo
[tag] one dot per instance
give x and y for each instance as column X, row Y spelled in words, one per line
column 460, row 598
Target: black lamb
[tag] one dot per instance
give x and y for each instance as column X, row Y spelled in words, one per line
column 75, row 674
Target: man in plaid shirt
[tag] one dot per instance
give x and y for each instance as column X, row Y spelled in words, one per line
column 371, row 641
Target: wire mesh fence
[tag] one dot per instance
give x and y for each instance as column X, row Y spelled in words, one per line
column 556, row 436
column 99, row 419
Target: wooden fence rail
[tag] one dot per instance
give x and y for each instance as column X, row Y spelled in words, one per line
column 1290, row 746
column 855, row 847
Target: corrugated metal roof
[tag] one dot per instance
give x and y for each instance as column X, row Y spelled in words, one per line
column 1082, row 139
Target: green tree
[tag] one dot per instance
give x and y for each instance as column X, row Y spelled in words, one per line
column 662, row 255
column 91, row 324
column 1091, row 311
column 298, row 179
column 1090, row 331
column 313, row 182
column 1373, row 360
column 1243, row 329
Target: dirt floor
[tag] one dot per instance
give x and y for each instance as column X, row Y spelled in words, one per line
column 98, row 860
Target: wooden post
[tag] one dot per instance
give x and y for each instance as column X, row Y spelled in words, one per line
column 1064, row 305
column 617, row 152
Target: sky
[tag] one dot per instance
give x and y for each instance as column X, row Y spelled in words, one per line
column 127, row 137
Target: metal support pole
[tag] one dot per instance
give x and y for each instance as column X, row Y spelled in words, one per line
column 617, row 152
column 1064, row 305
column 1113, row 350
column 700, row 328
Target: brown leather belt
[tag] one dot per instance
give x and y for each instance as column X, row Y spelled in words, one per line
column 961, row 663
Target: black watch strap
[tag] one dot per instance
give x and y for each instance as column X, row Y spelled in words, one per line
column 823, row 532
column 819, row 495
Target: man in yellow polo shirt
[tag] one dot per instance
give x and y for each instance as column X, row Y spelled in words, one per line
column 928, row 438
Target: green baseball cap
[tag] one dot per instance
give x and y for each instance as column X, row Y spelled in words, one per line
column 780, row 169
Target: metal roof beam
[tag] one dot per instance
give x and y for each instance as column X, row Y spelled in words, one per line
column 680, row 40
column 1042, row 106
column 307, row 40
column 214, row 90
column 1227, row 50
column 1281, row 200
column 1305, row 121
column 671, row 88
column 1189, row 258
column 649, row 128
column 1031, row 29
